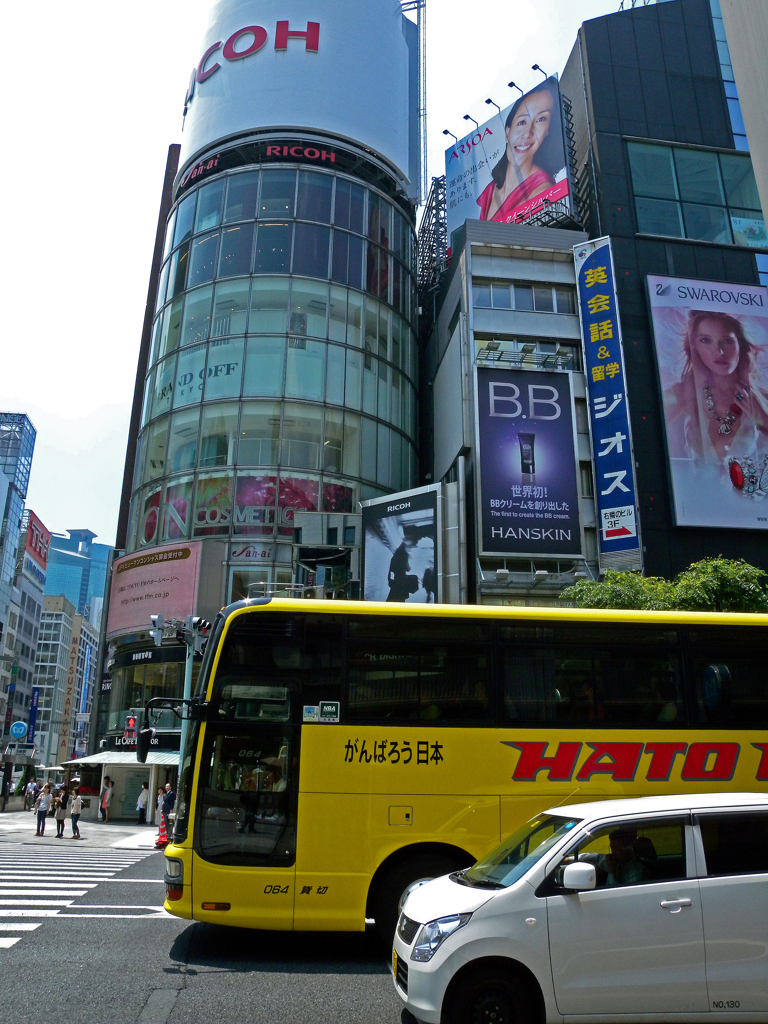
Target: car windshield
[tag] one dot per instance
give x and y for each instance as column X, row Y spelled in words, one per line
column 519, row 852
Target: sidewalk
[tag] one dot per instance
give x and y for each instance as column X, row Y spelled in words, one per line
column 19, row 827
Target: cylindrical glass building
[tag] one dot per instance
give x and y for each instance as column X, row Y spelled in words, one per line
column 282, row 373
column 277, row 368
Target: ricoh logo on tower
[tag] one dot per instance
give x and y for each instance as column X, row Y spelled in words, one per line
column 332, row 67
column 249, row 40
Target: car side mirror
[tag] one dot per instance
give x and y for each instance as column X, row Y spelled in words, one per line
column 580, row 876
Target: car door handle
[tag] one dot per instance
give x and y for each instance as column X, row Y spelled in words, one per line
column 674, row 906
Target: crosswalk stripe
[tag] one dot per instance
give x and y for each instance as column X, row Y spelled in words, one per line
column 28, row 913
column 35, row 903
column 33, row 879
column 42, row 892
column 38, row 883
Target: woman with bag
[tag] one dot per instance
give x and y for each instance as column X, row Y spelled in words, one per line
column 42, row 804
column 62, row 805
column 77, row 809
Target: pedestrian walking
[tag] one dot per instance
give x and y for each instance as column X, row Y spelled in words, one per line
column 62, row 810
column 169, row 799
column 32, row 791
column 77, row 810
column 159, row 806
column 102, row 794
column 108, row 799
column 141, row 803
column 42, row 805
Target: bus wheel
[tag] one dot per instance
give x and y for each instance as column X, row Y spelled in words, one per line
column 396, row 881
column 492, row 995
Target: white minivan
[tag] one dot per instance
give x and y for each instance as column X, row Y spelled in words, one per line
column 654, row 909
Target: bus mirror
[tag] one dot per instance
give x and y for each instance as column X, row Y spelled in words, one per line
column 143, row 743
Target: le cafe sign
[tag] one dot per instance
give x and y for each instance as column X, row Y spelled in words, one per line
column 255, row 39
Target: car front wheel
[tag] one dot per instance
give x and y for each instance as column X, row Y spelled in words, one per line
column 491, row 997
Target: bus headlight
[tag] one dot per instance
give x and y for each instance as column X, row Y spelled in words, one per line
column 433, row 934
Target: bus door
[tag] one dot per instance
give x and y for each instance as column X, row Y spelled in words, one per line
column 244, row 865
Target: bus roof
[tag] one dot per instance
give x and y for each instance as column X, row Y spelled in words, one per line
column 478, row 611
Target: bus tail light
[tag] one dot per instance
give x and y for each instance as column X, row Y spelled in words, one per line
column 174, row 879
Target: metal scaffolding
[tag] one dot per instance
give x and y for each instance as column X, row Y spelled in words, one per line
column 433, row 238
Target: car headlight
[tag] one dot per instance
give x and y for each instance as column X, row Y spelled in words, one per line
column 434, row 933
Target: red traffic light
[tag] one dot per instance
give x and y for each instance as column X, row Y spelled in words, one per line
column 130, row 727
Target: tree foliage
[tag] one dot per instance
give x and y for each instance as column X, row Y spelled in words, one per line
column 711, row 585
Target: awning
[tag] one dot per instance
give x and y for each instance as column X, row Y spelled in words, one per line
column 126, row 758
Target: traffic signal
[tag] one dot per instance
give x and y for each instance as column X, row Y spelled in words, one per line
column 200, row 630
column 130, row 728
column 157, row 631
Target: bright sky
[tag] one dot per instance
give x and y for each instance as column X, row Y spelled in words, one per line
column 94, row 95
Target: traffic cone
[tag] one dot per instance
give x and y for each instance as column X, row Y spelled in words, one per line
column 162, row 839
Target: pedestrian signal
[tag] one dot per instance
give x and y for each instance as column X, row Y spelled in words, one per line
column 130, row 728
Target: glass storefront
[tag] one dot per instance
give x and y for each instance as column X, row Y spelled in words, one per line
column 134, row 684
column 283, row 367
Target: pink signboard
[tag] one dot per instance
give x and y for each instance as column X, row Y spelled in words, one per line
column 163, row 580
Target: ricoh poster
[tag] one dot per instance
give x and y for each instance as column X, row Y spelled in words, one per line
column 711, row 342
column 528, row 499
column 509, row 166
column 401, row 547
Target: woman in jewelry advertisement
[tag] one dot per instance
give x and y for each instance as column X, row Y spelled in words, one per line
column 713, row 365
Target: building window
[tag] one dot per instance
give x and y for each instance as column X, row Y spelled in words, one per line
column 698, row 194
column 528, row 298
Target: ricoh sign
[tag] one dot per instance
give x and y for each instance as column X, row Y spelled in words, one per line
column 333, row 66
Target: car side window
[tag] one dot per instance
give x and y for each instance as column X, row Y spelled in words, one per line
column 635, row 852
column 735, row 843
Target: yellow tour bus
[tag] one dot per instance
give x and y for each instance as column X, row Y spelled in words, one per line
column 338, row 751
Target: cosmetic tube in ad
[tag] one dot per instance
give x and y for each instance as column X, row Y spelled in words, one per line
column 527, row 462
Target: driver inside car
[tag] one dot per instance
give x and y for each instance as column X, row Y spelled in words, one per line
column 623, row 865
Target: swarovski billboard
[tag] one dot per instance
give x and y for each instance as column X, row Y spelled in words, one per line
column 283, row 64
column 711, row 341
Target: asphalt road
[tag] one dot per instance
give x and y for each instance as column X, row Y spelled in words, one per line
column 84, row 940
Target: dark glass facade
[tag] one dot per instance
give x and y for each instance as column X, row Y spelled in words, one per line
column 664, row 173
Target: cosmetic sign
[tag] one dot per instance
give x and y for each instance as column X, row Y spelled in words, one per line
column 711, row 341
column 615, row 488
column 512, row 165
column 528, row 498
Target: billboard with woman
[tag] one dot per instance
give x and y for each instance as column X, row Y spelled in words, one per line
column 509, row 166
column 712, row 352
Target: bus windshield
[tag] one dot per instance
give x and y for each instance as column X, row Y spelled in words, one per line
column 519, row 852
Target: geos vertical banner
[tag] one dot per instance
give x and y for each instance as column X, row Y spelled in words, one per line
column 615, row 488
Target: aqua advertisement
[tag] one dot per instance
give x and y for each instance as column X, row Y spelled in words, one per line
column 528, row 501
column 511, row 166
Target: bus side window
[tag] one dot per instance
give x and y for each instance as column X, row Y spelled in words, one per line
column 730, row 686
column 433, row 684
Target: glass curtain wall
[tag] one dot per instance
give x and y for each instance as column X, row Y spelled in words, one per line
column 283, row 343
